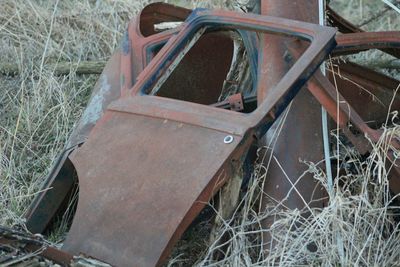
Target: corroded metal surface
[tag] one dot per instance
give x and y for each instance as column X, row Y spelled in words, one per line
column 344, row 26
column 118, row 76
column 140, row 185
column 61, row 179
column 356, row 86
column 300, row 137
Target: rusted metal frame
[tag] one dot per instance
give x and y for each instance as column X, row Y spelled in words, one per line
column 267, row 24
column 149, row 43
column 135, row 53
column 263, row 116
column 327, row 95
column 138, row 50
column 152, row 109
column 212, row 124
column 356, row 42
column 273, row 113
column 323, row 90
column 345, row 26
column 135, row 50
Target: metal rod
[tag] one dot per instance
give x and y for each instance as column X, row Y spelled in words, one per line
column 324, row 115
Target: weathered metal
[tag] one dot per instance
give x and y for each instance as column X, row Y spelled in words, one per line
column 136, row 166
column 350, row 110
column 359, row 86
column 344, row 26
column 300, row 136
column 124, row 65
column 345, row 116
column 156, row 105
column 139, row 46
column 62, row 177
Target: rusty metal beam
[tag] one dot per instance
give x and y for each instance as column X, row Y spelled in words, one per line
column 301, row 135
column 357, row 42
column 344, row 26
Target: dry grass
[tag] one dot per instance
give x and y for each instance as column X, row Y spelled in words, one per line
column 359, row 226
column 38, row 110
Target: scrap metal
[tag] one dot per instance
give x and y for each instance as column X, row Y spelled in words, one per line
column 156, row 140
column 300, row 135
column 143, row 175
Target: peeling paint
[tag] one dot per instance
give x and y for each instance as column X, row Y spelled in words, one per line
column 95, row 108
column 126, row 46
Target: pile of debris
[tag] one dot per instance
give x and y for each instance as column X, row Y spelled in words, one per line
column 178, row 114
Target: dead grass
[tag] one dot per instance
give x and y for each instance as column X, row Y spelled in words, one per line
column 359, row 226
column 38, row 110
